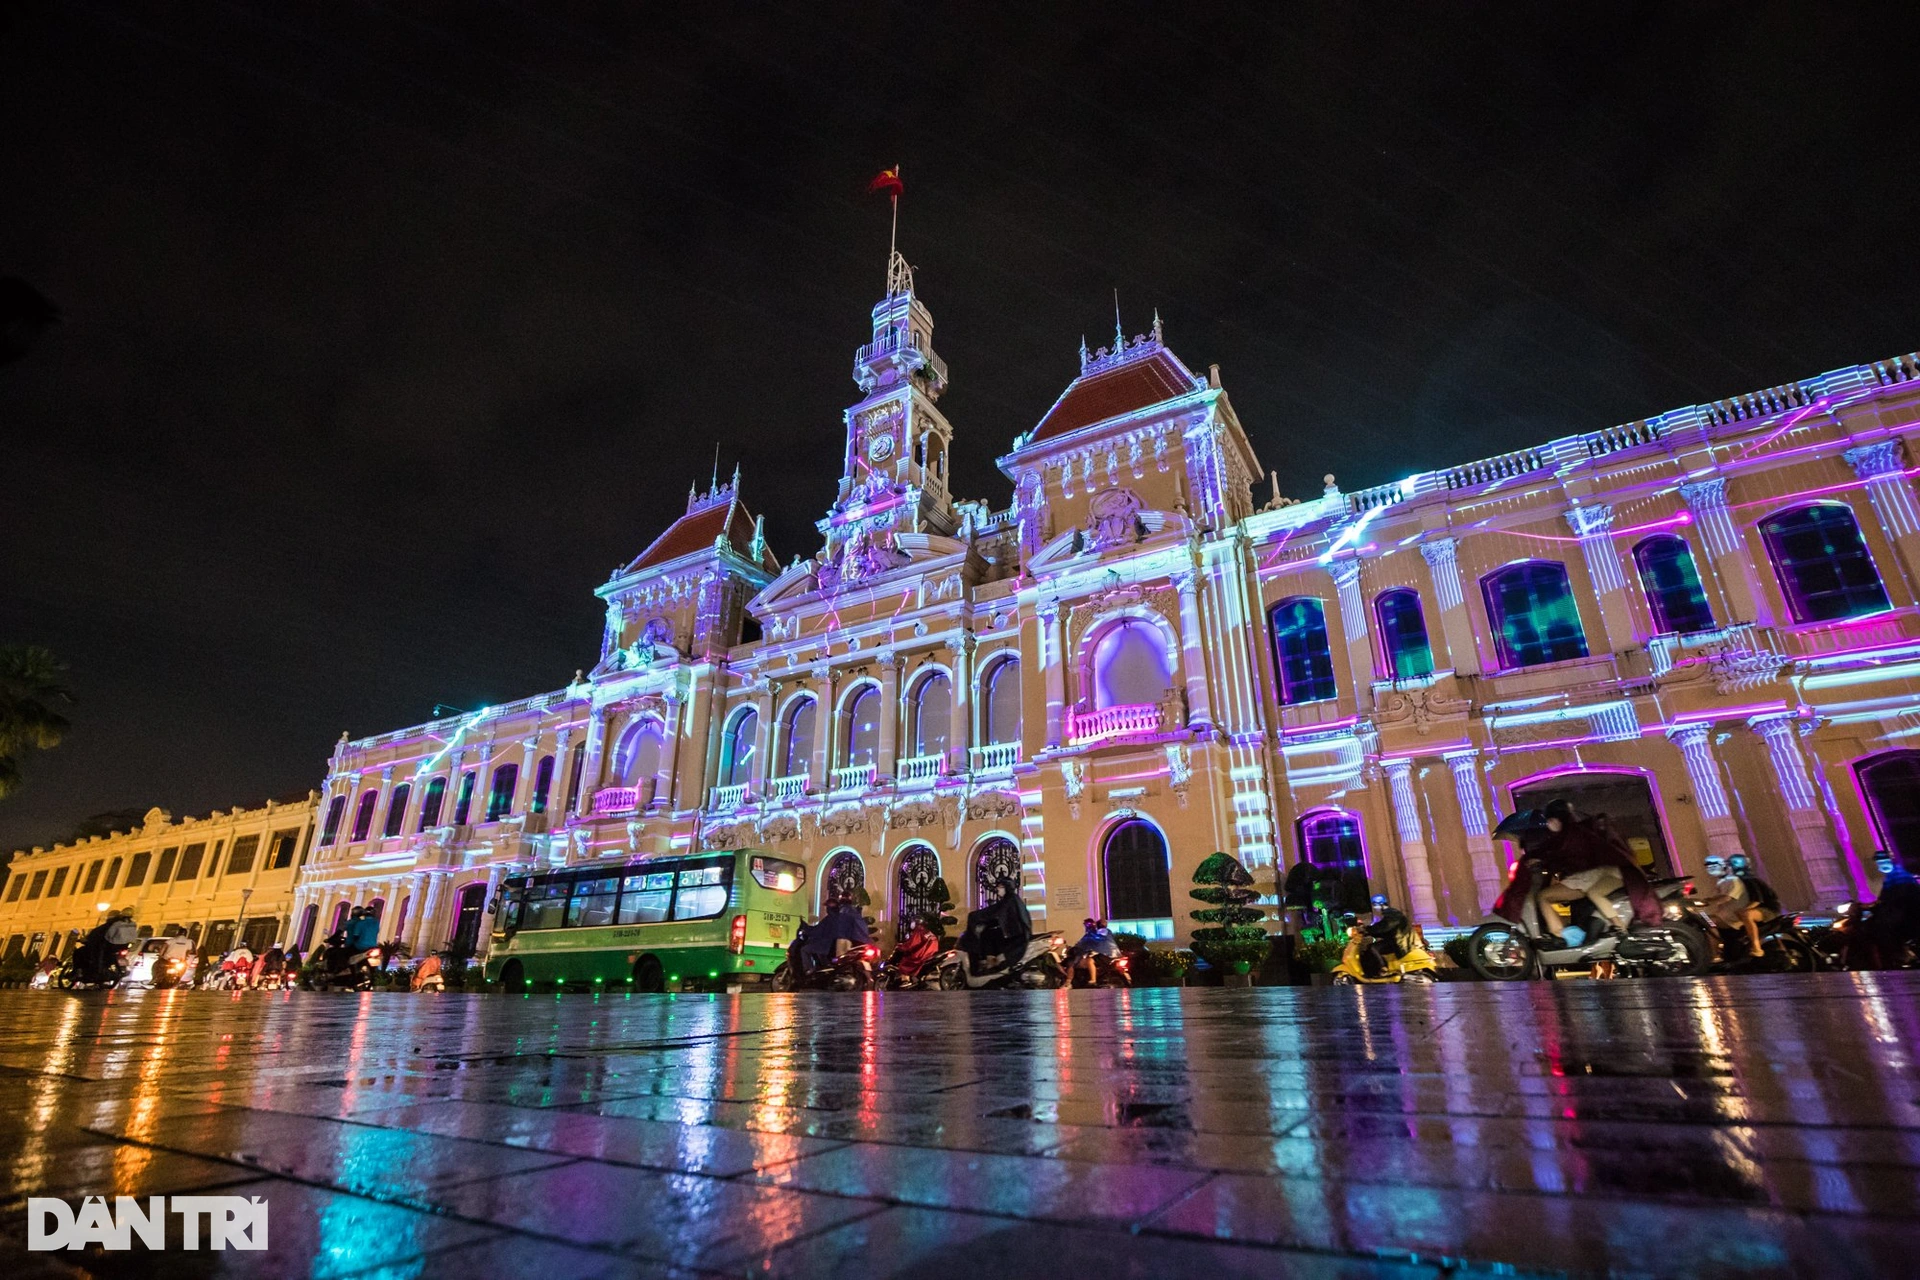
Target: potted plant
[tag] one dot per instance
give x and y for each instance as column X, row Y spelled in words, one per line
column 1231, row 939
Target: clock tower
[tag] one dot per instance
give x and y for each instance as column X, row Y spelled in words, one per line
column 894, row 478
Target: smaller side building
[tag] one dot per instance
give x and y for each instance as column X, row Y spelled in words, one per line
column 225, row 876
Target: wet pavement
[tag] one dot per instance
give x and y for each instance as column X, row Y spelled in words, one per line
column 1748, row 1126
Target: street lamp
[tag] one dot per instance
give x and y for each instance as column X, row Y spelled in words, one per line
column 240, row 926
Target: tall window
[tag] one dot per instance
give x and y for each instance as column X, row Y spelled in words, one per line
column 916, row 899
column 796, row 738
column 1673, row 587
column 240, row 861
column 932, row 715
column 1891, row 782
column 280, row 849
column 542, row 784
column 1003, row 702
column 1300, row 651
column 335, row 811
column 1131, row 666
column 1824, row 567
column 190, row 862
column 862, row 739
column 363, row 815
column 642, row 752
column 164, row 868
column 1331, row 838
column 113, row 873
column 575, row 768
column 500, row 799
column 1137, row 885
column 435, row 800
column 1533, row 613
column 737, row 748
column 1403, row 634
column 463, row 804
column 995, row 862
column 397, row 810
column 93, row 876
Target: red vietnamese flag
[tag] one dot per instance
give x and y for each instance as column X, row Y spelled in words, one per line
column 888, row 181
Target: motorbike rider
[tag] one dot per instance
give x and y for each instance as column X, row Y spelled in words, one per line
column 238, row 966
column 1730, row 904
column 1095, row 940
column 822, row 943
column 998, row 933
column 1893, row 922
column 103, row 943
column 912, row 952
column 363, row 931
column 1588, row 861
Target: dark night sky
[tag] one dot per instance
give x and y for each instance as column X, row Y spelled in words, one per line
column 391, row 329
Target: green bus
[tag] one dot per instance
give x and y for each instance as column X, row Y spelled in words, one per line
column 698, row 921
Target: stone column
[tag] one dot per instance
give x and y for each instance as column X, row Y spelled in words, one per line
column 416, row 912
column 562, row 762
column 1353, row 621
column 1193, row 651
column 767, row 703
column 1413, row 843
column 826, row 727
column 666, row 782
column 1891, row 493
column 1731, row 561
column 430, row 938
column 960, row 732
column 1709, row 796
column 1053, row 664
column 1489, row 877
column 485, row 937
column 590, row 767
column 1805, row 815
column 890, row 716
column 1592, row 523
column 529, row 763
column 1456, row 623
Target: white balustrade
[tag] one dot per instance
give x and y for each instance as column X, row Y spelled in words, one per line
column 791, row 787
column 853, row 777
column 1124, row 721
column 725, row 798
column 609, row 800
column 995, row 757
column 919, row 771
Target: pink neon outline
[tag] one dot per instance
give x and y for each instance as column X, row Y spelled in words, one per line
column 1646, row 775
column 1360, row 824
column 1856, row 866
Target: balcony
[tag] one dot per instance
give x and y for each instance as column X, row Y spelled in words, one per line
column 853, row 777
column 609, row 801
column 994, row 758
column 791, row 787
column 1129, row 720
column 724, row 799
column 919, row 771
column 1850, row 635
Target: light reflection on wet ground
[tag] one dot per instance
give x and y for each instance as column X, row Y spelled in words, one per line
column 1741, row 1127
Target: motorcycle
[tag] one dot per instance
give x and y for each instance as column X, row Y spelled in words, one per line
column 1043, row 964
column 1848, row 943
column 340, row 970
column 1108, row 971
column 1503, row 951
column 911, row 967
column 1391, row 949
column 159, row 963
column 852, row 970
column 1784, row 947
column 81, row 974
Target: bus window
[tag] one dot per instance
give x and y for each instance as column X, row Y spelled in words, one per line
column 778, row 874
column 646, row 898
column 547, row 903
column 509, row 917
column 593, row 902
column 703, row 891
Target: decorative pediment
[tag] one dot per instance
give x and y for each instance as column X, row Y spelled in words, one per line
column 847, row 820
column 993, row 806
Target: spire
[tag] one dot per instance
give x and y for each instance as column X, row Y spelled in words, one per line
column 1119, row 334
column 1084, row 355
column 758, row 550
column 1157, row 337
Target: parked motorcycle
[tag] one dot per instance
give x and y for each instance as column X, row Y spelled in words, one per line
column 1042, row 964
column 1503, row 951
column 1391, row 949
column 1848, row 943
column 852, row 970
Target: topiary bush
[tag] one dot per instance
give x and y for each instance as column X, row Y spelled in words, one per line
column 942, row 918
column 1319, row 955
column 1232, row 939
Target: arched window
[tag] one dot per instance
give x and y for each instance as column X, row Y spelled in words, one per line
column 542, row 785
column 1533, row 613
column 737, row 746
column 339, row 917
column 1331, row 838
column 845, row 875
column 1002, row 702
column 363, row 816
column 435, row 800
column 796, row 739
column 308, row 918
column 500, row 799
column 932, row 715
column 642, row 751
column 400, row 917
column 1673, row 587
column 1403, row 634
column 915, row 898
column 1131, row 666
column 575, row 767
column 995, row 862
column 1137, row 885
column 463, row 803
column 335, row 811
column 1824, row 567
column 1300, row 651
column 862, row 731
column 1891, row 784
column 397, row 810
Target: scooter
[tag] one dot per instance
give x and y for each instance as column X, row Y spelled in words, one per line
column 79, row 975
column 911, row 967
column 1391, row 949
column 1503, row 951
column 1108, row 971
column 851, row 970
column 1043, row 964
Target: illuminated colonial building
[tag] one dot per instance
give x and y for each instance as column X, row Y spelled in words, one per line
column 216, row 879
column 1703, row 624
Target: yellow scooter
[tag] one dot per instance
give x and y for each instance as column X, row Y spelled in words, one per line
column 1391, row 949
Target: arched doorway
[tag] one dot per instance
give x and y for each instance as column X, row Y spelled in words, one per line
column 469, row 907
column 308, row 919
column 1626, row 798
column 914, row 895
column 845, row 876
column 339, row 920
column 1139, row 894
column 1890, row 782
column 996, row 860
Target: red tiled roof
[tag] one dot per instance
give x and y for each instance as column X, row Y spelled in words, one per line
column 1114, row 390
column 696, row 531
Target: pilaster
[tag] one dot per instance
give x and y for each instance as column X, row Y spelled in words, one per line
column 1732, row 565
column 1592, row 523
column 1456, row 623
column 1488, row 876
column 1891, row 492
column 1811, row 835
column 1695, row 742
column 1413, row 844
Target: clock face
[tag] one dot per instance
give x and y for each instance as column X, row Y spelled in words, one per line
column 880, row 448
